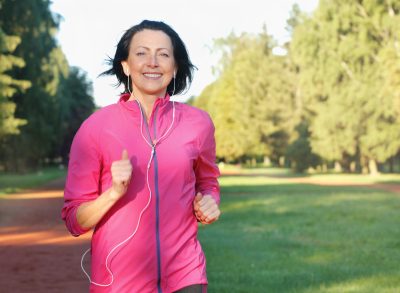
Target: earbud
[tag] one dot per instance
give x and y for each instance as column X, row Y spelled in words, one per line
column 129, row 86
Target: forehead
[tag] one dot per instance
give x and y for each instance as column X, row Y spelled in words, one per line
column 152, row 39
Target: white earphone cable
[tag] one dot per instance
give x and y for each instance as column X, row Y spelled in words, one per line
column 148, row 202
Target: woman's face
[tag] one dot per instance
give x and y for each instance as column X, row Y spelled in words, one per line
column 150, row 63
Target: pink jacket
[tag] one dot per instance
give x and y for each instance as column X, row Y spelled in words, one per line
column 164, row 255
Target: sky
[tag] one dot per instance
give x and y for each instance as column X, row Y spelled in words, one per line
column 90, row 30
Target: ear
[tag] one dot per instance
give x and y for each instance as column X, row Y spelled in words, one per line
column 125, row 67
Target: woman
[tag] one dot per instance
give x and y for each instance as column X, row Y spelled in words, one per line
column 142, row 173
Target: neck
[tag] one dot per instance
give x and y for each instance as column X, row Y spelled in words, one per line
column 146, row 101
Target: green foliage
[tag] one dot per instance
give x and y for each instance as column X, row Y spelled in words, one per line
column 36, row 28
column 341, row 78
column 55, row 101
column 348, row 57
column 9, row 86
column 300, row 153
column 249, row 110
column 75, row 105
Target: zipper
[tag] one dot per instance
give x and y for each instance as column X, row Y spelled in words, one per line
column 158, row 248
column 157, row 223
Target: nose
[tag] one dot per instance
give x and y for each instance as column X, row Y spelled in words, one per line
column 153, row 62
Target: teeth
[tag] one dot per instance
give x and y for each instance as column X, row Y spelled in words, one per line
column 153, row 75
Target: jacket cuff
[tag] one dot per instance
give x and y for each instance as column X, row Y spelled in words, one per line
column 74, row 227
column 214, row 194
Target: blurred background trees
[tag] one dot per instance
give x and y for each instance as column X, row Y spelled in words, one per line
column 333, row 99
column 328, row 98
column 42, row 100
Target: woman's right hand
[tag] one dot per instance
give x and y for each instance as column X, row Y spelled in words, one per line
column 121, row 172
column 90, row 213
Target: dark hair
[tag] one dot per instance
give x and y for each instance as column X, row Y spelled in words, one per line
column 184, row 74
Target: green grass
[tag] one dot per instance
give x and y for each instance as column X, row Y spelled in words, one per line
column 357, row 178
column 273, row 172
column 278, row 237
column 11, row 182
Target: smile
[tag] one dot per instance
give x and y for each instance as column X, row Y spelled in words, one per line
column 152, row 75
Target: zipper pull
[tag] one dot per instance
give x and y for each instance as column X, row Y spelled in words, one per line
column 151, row 156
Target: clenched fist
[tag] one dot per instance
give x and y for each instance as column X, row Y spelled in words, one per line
column 206, row 209
column 121, row 172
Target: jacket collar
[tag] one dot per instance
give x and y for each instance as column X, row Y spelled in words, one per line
column 132, row 105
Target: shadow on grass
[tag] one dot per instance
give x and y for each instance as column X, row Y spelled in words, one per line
column 272, row 175
column 13, row 182
column 304, row 238
column 394, row 182
column 270, row 189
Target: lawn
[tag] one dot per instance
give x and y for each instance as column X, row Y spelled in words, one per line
column 275, row 236
column 10, row 182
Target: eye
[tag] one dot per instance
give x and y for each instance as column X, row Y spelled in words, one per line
column 140, row 53
column 164, row 54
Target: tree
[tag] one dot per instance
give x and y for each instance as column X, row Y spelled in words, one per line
column 36, row 26
column 347, row 53
column 299, row 151
column 75, row 105
column 59, row 97
column 251, row 102
column 9, row 86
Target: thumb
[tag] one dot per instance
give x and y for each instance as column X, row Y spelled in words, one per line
column 125, row 155
column 198, row 197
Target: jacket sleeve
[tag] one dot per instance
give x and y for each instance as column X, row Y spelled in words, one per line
column 206, row 169
column 84, row 171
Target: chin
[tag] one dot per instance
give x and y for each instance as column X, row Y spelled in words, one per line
column 157, row 93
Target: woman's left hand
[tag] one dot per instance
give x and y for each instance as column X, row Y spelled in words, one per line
column 206, row 208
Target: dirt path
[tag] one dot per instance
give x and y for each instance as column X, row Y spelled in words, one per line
column 37, row 254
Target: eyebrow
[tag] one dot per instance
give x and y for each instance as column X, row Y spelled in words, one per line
column 147, row 48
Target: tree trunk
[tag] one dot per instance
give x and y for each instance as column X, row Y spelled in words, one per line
column 391, row 164
column 267, row 161
column 338, row 167
column 373, row 167
column 352, row 167
column 282, row 161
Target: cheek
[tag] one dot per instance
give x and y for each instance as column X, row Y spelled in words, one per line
column 136, row 66
column 136, row 63
column 168, row 77
column 169, row 65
